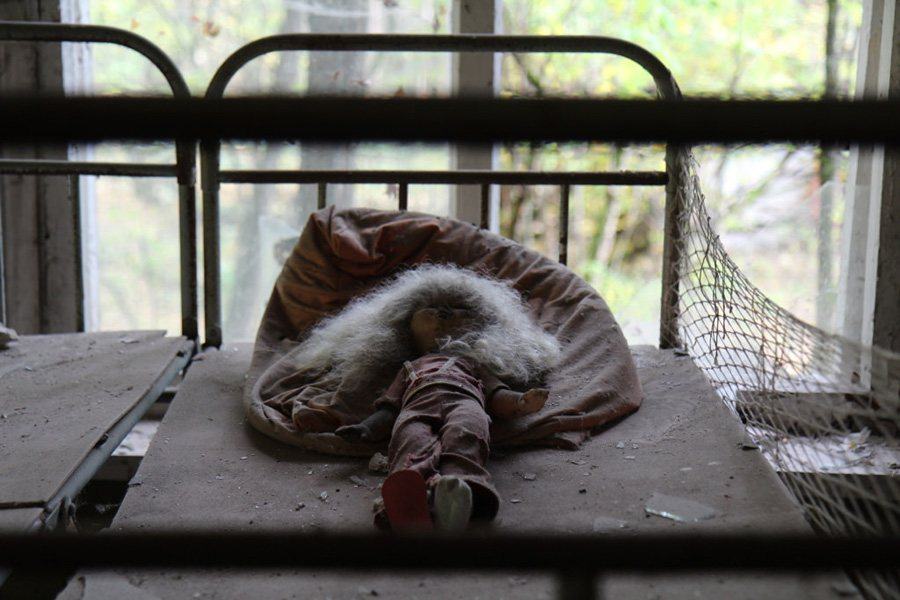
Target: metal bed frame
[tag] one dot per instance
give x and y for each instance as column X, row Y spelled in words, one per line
column 576, row 559
column 212, row 176
column 183, row 170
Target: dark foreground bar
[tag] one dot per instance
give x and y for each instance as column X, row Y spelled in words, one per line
column 551, row 553
column 434, row 119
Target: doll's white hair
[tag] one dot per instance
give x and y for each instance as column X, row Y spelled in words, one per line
column 371, row 335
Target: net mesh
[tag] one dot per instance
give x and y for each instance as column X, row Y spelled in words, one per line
column 822, row 409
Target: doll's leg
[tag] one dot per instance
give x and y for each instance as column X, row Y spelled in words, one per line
column 413, row 455
column 465, row 446
column 415, row 446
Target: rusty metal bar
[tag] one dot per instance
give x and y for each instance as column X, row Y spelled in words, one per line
column 212, row 283
column 669, row 336
column 564, row 223
column 642, row 178
column 485, row 205
column 403, row 197
column 15, row 166
column 458, row 119
column 570, row 553
column 322, row 195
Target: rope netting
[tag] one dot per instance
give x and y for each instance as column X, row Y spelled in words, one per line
column 824, row 410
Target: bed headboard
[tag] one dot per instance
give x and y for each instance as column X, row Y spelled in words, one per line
column 213, row 176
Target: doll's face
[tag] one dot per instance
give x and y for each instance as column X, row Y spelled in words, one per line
column 435, row 323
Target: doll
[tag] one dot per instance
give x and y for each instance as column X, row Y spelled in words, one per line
column 425, row 361
column 437, row 414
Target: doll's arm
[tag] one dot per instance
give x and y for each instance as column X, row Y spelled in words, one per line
column 505, row 403
column 377, row 426
column 374, row 428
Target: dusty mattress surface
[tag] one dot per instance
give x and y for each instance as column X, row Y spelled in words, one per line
column 207, row 468
column 343, row 254
column 59, row 395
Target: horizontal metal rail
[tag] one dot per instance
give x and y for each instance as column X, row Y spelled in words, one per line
column 88, row 467
column 587, row 553
column 457, row 119
column 13, row 166
column 446, row 177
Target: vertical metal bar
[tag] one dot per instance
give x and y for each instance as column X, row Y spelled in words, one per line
column 577, row 585
column 185, row 158
column 75, row 194
column 187, row 233
column 564, row 223
column 3, row 317
column 212, row 285
column 671, row 276
column 404, row 196
column 323, row 195
column 485, row 205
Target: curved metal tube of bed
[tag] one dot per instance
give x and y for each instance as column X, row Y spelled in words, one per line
column 212, row 176
column 183, row 169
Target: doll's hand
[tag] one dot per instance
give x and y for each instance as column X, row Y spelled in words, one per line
column 509, row 404
column 533, row 400
column 375, row 428
column 353, row 433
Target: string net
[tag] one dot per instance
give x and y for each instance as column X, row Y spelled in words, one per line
column 822, row 409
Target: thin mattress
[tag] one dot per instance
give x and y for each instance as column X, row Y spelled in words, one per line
column 207, row 468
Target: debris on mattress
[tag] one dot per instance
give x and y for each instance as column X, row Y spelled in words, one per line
column 378, row 463
column 859, row 453
column 678, row 509
column 747, row 443
column 7, row 336
column 608, row 523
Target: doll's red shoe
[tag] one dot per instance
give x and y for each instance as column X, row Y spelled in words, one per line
column 406, row 501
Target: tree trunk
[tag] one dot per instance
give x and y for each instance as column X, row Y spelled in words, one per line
column 246, row 289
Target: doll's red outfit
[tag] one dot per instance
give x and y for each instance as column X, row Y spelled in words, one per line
column 442, row 427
